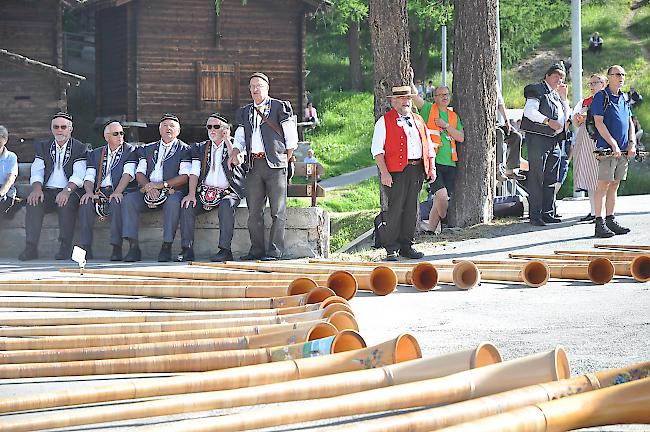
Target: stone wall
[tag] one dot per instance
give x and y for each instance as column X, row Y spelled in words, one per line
column 307, row 235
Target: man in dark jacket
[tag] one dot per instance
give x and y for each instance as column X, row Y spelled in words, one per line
column 57, row 174
column 213, row 183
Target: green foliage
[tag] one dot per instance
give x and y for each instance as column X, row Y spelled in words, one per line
column 524, row 23
column 361, row 196
column 348, row 226
column 430, row 13
column 342, row 13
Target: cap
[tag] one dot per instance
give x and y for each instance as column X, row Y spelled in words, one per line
column 259, row 75
column 62, row 114
column 219, row 117
column 168, row 116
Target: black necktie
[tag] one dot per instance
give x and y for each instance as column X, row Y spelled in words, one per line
column 408, row 121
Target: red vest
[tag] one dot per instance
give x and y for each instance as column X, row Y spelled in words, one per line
column 395, row 146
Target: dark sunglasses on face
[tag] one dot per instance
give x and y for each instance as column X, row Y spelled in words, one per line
column 118, row 133
column 217, row 126
column 62, row 127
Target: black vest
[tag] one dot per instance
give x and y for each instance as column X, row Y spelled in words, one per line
column 545, row 96
column 75, row 151
column 129, row 154
column 274, row 144
column 235, row 176
column 172, row 163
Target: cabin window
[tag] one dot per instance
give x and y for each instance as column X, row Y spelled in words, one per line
column 217, row 85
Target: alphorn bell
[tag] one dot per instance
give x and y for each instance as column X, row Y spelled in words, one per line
column 537, row 368
column 533, row 273
column 621, row 404
column 449, row 415
column 402, row 348
column 346, row 340
column 309, row 388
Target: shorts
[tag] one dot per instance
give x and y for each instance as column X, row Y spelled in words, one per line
column 445, row 179
column 613, row 169
column 564, row 169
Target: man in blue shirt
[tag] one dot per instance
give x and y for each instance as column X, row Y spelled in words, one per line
column 613, row 121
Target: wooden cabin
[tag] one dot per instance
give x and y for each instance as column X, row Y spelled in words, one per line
column 194, row 57
column 31, row 60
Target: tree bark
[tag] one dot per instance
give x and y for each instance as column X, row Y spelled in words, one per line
column 355, row 56
column 474, row 93
column 389, row 36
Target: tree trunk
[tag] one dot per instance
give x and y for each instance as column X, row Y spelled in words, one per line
column 355, row 56
column 389, row 36
column 422, row 63
column 474, row 93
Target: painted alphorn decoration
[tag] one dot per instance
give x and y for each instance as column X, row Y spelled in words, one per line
column 168, row 326
column 341, row 320
column 346, row 340
column 620, row 404
column 304, row 389
column 68, row 317
column 495, row 378
column 315, row 296
column 449, row 415
column 400, row 349
column 285, row 337
column 623, row 247
column 636, row 268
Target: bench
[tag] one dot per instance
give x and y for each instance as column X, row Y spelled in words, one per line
column 312, row 189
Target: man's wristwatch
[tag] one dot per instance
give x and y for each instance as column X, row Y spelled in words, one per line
column 546, row 120
column 165, row 185
column 69, row 189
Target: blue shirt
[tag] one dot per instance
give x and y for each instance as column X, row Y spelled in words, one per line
column 616, row 116
column 8, row 165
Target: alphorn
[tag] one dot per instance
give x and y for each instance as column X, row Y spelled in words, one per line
column 168, row 326
column 534, row 274
column 402, row 348
column 341, row 320
column 464, row 276
column 317, row 295
column 309, row 388
column 623, row 247
column 280, row 338
column 449, row 415
column 599, row 271
column 534, row 369
column 615, row 254
column 346, row 340
column 620, row 404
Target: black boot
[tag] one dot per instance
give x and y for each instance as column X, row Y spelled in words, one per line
column 187, row 254
column 65, row 251
column 116, row 255
column 165, row 254
column 222, row 256
column 613, row 226
column 29, row 253
column 601, row 229
column 134, row 253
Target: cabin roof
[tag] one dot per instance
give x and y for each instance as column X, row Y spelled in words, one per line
column 104, row 4
column 23, row 61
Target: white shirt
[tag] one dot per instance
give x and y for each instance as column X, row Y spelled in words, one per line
column 531, row 110
column 215, row 175
column 107, row 181
column 185, row 168
column 58, row 179
column 413, row 141
column 311, row 115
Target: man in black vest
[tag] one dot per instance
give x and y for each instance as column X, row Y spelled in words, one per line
column 57, row 173
column 545, row 116
column 110, row 174
column 164, row 165
column 218, row 185
column 267, row 133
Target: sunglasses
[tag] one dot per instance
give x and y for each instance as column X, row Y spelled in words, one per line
column 618, row 74
column 217, row 126
column 120, row 133
column 62, row 127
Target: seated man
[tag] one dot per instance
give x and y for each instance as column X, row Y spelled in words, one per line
column 8, row 174
column 217, row 183
column 310, row 159
column 110, row 175
column 162, row 176
column 508, row 135
column 595, row 43
column 57, row 173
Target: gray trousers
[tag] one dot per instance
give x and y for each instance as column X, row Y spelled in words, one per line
column 134, row 204
column 513, row 148
column 264, row 182
column 226, row 212
column 87, row 218
column 544, row 167
column 67, row 217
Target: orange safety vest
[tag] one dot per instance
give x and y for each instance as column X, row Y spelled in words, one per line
column 395, row 145
column 435, row 137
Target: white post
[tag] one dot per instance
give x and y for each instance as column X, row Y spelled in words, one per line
column 498, row 48
column 444, row 54
column 576, row 61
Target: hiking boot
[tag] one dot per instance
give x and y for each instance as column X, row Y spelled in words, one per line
column 165, row 254
column 613, row 226
column 65, row 252
column 187, row 254
column 116, row 255
column 601, row 229
column 410, row 253
column 30, row 252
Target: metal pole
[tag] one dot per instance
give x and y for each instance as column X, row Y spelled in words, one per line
column 444, row 55
column 499, row 49
column 576, row 52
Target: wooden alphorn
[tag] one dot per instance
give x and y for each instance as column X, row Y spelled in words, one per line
column 537, row 368
column 402, row 348
column 309, row 388
column 623, row 247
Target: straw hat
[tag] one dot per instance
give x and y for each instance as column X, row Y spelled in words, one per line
column 399, row 91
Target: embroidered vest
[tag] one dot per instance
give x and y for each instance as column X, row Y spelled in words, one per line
column 75, row 151
column 395, row 146
column 453, row 122
column 128, row 155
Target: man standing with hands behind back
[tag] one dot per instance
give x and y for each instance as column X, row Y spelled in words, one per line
column 268, row 135
column 405, row 154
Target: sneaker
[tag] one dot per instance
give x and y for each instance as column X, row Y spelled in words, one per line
column 391, row 256
column 613, row 226
column 588, row 218
column 601, row 230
